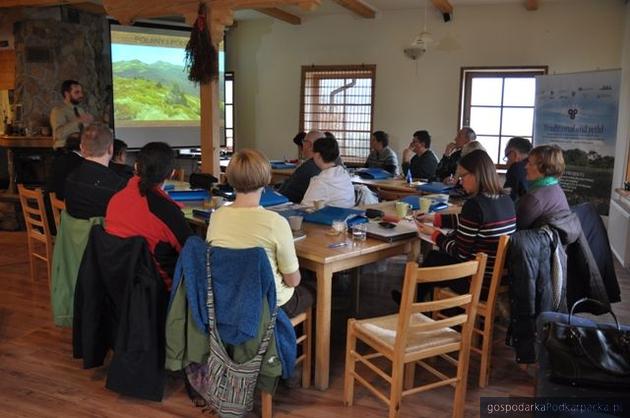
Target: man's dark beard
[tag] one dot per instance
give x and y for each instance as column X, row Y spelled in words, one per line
column 75, row 101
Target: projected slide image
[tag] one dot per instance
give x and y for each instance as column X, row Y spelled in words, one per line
column 151, row 87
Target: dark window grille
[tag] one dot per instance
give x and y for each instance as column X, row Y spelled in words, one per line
column 340, row 99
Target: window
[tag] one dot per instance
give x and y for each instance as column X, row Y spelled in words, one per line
column 340, row 99
column 228, row 111
column 498, row 103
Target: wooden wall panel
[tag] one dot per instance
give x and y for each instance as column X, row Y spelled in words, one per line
column 7, row 69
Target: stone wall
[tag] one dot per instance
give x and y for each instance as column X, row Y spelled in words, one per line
column 55, row 44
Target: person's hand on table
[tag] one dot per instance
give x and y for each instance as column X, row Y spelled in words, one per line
column 424, row 228
column 423, row 218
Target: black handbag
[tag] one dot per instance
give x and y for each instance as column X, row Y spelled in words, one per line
column 583, row 355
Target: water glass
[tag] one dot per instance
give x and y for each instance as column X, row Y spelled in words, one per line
column 359, row 232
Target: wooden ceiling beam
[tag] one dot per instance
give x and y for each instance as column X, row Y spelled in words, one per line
column 39, row 3
column 358, row 7
column 531, row 5
column 280, row 15
column 443, row 6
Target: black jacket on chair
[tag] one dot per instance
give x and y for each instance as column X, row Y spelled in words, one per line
column 597, row 238
column 531, row 280
column 120, row 303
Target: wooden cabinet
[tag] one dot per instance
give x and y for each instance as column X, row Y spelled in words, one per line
column 7, row 69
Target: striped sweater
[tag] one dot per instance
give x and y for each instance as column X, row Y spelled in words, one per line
column 477, row 228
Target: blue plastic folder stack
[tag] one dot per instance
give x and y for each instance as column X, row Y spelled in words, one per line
column 328, row 214
column 373, row 174
column 271, row 198
column 189, row 195
column 281, row 165
column 435, row 187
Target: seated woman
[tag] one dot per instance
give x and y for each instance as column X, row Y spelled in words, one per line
column 485, row 217
column 143, row 208
column 333, row 185
column 544, row 197
column 245, row 224
column 299, row 141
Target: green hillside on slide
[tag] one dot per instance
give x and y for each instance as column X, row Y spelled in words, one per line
column 153, row 92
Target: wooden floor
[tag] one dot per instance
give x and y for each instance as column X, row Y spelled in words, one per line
column 39, row 377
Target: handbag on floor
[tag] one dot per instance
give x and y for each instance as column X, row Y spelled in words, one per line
column 584, row 355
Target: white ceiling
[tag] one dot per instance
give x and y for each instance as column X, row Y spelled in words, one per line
column 329, row 7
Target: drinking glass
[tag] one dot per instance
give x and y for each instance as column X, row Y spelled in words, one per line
column 359, row 232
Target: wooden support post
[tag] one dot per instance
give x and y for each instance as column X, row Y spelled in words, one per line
column 210, row 139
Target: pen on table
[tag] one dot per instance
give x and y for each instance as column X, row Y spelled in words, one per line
column 337, row 244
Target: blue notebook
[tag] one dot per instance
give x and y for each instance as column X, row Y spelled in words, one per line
column 281, row 165
column 189, row 195
column 271, row 198
column 373, row 173
column 435, row 187
column 328, row 214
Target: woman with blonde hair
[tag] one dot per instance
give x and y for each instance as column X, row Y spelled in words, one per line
column 246, row 224
column 545, row 166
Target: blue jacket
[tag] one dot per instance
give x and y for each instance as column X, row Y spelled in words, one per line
column 240, row 279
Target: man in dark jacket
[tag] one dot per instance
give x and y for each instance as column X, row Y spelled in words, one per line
column 516, row 152
column 295, row 186
column 90, row 186
column 448, row 164
column 419, row 158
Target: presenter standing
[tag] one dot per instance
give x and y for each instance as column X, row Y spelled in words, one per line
column 69, row 119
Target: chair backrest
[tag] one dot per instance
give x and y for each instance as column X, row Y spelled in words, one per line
column 58, row 206
column 34, row 211
column 498, row 270
column 472, row 270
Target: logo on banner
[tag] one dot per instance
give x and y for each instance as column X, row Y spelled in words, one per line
column 572, row 113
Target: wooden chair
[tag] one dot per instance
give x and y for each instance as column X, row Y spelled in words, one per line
column 410, row 337
column 305, row 340
column 58, row 206
column 484, row 324
column 37, row 229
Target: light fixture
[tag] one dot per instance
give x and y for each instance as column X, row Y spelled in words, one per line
column 421, row 43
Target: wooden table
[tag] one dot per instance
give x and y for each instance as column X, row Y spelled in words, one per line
column 13, row 142
column 313, row 254
column 280, row 174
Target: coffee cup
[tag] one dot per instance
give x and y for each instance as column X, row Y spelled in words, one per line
column 402, row 209
column 425, row 204
column 296, row 223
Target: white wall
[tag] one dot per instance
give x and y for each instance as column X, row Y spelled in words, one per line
column 267, row 55
column 623, row 127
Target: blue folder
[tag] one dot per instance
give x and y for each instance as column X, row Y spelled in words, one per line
column 271, row 198
column 414, row 202
column 281, row 165
column 189, row 195
column 328, row 214
column 435, row 187
column 373, row 173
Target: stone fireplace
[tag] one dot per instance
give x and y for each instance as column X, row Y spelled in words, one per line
column 54, row 44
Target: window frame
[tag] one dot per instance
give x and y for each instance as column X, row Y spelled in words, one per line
column 467, row 74
column 229, row 76
column 343, row 71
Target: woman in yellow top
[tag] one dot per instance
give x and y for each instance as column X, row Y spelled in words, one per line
column 246, row 224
